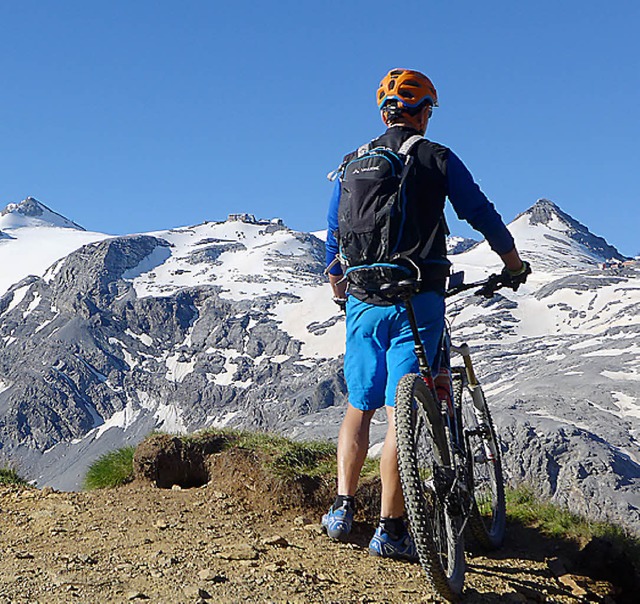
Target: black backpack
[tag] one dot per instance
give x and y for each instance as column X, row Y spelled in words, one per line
column 379, row 243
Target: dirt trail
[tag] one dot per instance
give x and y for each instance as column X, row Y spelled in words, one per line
column 224, row 543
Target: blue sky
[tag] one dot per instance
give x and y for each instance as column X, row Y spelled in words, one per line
column 144, row 115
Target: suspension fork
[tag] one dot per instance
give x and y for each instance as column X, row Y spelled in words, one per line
column 477, row 396
column 472, row 381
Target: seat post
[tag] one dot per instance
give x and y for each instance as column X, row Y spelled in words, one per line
column 418, row 346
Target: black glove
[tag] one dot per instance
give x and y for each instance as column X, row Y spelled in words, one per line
column 507, row 278
column 342, row 303
column 514, row 279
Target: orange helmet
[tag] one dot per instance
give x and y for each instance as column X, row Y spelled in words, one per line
column 410, row 88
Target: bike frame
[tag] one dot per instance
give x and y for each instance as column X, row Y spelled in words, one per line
column 486, row 287
column 470, row 381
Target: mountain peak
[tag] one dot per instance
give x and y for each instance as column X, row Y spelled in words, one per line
column 547, row 214
column 544, row 211
column 31, row 212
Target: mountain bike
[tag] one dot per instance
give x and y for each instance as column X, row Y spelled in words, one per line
column 448, row 457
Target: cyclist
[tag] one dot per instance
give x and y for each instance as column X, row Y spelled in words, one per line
column 379, row 345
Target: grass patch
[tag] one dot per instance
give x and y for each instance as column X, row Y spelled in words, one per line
column 552, row 520
column 287, row 459
column 8, row 476
column 524, row 506
column 111, row 470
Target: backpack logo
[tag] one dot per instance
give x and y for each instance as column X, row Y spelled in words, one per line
column 366, row 169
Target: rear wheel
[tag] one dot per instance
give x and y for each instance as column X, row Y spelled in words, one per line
column 487, row 520
column 424, row 459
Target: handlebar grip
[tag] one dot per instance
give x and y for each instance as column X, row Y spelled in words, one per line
column 492, row 285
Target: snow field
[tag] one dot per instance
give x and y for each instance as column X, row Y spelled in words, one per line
column 34, row 249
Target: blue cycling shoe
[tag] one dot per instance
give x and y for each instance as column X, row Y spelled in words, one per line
column 384, row 546
column 338, row 522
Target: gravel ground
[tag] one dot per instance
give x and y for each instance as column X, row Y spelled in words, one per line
column 139, row 543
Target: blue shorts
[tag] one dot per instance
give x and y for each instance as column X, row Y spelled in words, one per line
column 379, row 348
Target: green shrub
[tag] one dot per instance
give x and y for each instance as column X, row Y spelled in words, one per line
column 111, row 470
column 9, row 476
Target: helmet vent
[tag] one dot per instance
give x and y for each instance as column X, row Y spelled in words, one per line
column 409, row 88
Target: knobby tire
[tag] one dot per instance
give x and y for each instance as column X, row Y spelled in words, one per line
column 422, row 445
column 487, row 518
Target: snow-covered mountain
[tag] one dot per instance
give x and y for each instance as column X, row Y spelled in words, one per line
column 32, row 213
column 177, row 330
column 560, row 361
column 33, row 237
column 457, row 245
column 231, row 323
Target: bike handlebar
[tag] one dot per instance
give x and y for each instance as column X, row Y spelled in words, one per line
column 406, row 288
column 486, row 287
column 489, row 286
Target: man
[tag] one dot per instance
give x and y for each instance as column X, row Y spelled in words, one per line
column 379, row 346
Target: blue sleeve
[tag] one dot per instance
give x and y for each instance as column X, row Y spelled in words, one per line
column 472, row 205
column 331, row 244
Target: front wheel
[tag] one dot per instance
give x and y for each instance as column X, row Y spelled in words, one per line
column 487, row 519
column 424, row 460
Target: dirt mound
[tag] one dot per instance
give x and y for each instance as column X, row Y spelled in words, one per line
column 245, row 535
column 248, row 473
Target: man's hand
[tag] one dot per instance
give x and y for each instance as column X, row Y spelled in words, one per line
column 342, row 303
column 515, row 270
column 339, row 288
column 515, row 278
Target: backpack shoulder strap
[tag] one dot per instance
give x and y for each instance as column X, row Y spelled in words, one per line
column 359, row 152
column 427, row 248
column 409, row 144
column 363, row 149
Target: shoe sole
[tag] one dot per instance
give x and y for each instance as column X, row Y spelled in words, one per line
column 337, row 535
column 377, row 554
